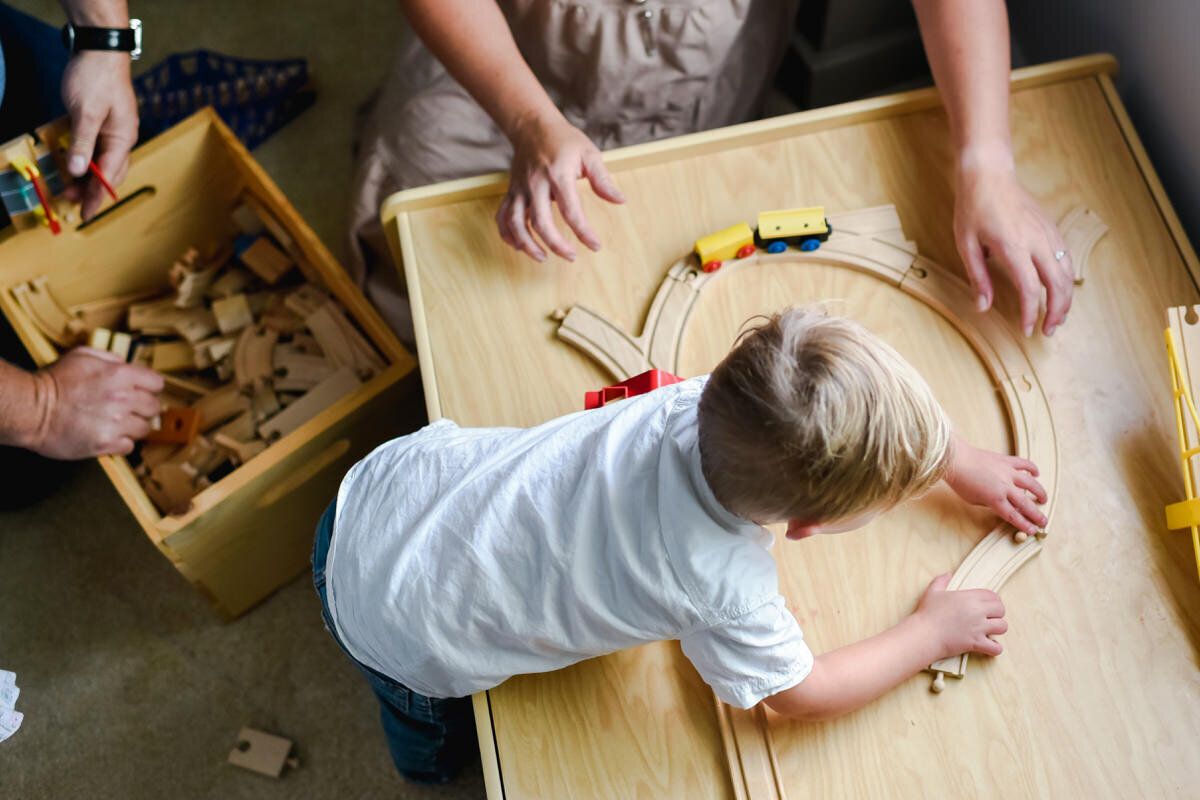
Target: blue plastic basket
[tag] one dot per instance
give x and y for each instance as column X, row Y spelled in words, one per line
column 255, row 97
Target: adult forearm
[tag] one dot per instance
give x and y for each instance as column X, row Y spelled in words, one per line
column 23, row 405
column 968, row 48
column 473, row 41
column 97, row 13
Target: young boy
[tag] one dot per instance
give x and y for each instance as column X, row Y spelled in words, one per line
column 456, row 558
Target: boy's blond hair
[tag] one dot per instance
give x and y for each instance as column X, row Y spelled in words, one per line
column 813, row 418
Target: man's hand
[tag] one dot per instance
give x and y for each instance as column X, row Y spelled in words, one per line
column 91, row 403
column 99, row 98
column 1002, row 483
column 548, row 158
column 994, row 216
column 962, row 621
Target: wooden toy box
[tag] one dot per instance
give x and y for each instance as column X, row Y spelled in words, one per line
column 250, row 532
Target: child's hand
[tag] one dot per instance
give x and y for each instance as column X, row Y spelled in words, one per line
column 1002, row 483
column 962, row 621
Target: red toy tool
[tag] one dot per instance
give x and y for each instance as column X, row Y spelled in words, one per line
column 638, row 384
column 103, row 181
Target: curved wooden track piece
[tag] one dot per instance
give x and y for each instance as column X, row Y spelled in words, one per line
column 252, row 357
column 1081, row 229
column 869, row 241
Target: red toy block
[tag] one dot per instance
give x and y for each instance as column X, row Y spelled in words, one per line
column 638, row 384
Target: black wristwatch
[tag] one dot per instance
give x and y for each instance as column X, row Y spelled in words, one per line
column 124, row 40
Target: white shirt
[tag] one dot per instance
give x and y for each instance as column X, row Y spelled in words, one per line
column 461, row 557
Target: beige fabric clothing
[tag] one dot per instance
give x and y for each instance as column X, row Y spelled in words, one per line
column 621, row 71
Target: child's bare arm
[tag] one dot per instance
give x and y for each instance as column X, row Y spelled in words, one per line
column 1002, row 483
column 945, row 624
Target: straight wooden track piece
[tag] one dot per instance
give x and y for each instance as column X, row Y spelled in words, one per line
column 321, row 397
column 297, row 371
column 1081, row 229
column 220, row 406
column 331, row 336
column 109, row 312
column 239, row 450
column 754, row 768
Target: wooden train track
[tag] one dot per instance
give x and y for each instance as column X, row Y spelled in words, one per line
column 870, row 241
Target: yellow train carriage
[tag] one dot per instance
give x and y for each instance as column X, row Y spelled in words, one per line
column 723, row 245
column 805, row 228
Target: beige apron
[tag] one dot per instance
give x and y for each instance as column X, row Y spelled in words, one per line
column 622, row 71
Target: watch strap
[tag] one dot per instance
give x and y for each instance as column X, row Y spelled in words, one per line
column 85, row 37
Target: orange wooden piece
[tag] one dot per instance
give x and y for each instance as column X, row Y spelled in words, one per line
column 179, row 425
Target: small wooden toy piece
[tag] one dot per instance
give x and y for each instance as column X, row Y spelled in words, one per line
column 100, row 339
column 278, row 317
column 191, row 276
column 173, row 356
column 46, row 313
column 1183, row 342
column 109, row 312
column 232, row 313
column 246, row 220
column 120, row 343
column 177, row 426
column 341, row 342
column 242, row 451
column 1081, row 228
column 264, row 404
column 171, row 486
column 263, row 753
column 241, row 428
column 638, row 384
column 321, row 397
column 233, row 281
column 220, row 406
column 252, row 357
column 298, row 371
column 266, row 260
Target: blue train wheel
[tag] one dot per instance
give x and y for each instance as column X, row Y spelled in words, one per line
column 777, row 246
column 808, row 245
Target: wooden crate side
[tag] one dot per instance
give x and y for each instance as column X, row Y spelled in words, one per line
column 257, row 538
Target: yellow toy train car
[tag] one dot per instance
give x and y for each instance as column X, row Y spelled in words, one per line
column 805, row 228
column 723, row 245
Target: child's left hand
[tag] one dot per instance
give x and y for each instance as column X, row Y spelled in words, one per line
column 1002, row 483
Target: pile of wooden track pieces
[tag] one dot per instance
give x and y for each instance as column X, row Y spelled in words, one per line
column 247, row 355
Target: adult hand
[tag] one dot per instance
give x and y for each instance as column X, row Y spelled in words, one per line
column 90, row 403
column 548, row 158
column 99, row 98
column 994, row 216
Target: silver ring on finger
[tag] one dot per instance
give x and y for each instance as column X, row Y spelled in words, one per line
column 1059, row 255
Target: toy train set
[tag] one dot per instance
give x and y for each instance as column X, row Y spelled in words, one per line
column 805, row 228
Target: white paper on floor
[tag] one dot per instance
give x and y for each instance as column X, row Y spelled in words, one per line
column 10, row 719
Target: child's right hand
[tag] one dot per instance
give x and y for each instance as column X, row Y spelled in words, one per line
column 962, row 621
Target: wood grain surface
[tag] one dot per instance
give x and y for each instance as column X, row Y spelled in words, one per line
column 1097, row 692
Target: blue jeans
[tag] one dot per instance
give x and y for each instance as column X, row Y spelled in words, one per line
column 430, row 738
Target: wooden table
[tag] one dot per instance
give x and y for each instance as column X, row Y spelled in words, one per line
column 1098, row 691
